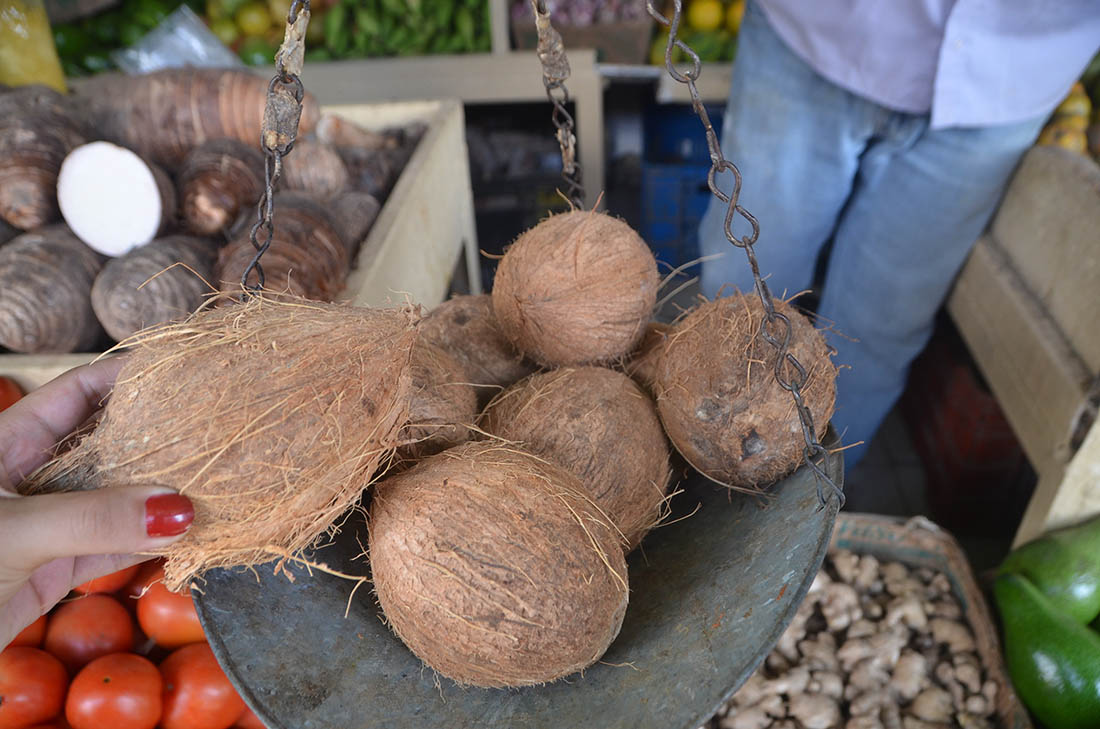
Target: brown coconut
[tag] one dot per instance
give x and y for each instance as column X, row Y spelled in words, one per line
column 641, row 364
column 495, row 567
column 578, row 288
column 466, row 328
column 718, row 398
column 442, row 406
column 602, row 427
column 271, row 416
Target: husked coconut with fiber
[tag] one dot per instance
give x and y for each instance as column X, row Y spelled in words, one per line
column 602, row 427
column 442, row 404
column 578, row 288
column 718, row 398
column 641, row 364
column 495, row 567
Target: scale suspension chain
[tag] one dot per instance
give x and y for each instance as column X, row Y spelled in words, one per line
column 280, row 128
column 555, row 71
column 775, row 326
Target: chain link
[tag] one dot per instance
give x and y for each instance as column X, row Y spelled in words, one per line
column 280, row 128
column 775, row 326
column 555, row 71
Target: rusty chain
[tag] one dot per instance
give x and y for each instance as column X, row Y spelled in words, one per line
column 775, row 326
column 280, row 128
column 555, row 71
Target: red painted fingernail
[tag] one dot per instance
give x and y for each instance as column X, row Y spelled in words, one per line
column 167, row 515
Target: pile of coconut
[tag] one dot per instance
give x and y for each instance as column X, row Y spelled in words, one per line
column 516, row 445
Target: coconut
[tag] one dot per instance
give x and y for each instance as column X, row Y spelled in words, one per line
column 602, row 427
column 495, row 567
column 466, row 329
column 719, row 400
column 641, row 364
column 442, row 404
column 271, row 416
column 578, row 288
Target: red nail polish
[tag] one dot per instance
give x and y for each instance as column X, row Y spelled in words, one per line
column 167, row 515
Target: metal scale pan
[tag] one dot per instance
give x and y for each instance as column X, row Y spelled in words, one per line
column 709, row 597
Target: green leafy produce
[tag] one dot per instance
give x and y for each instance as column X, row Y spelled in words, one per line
column 256, row 51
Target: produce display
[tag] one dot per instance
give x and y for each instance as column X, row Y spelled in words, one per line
column 1048, row 595
column 874, row 645
column 368, row 28
column 1075, row 124
column 709, row 27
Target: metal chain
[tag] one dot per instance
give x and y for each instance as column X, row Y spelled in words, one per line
column 555, row 71
column 280, row 128
column 775, row 326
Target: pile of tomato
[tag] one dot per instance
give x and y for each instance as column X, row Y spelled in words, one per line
column 122, row 653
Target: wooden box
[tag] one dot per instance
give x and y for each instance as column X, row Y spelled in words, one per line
column 411, row 250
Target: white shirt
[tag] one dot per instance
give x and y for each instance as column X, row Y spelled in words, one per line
column 966, row 62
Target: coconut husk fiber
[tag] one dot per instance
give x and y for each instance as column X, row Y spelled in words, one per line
column 641, row 364
column 272, row 416
column 442, row 404
column 578, row 288
column 495, row 567
column 599, row 425
column 465, row 328
column 718, row 398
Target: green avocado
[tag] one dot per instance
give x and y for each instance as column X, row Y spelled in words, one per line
column 1065, row 566
column 1054, row 661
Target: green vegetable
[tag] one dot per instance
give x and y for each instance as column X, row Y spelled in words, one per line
column 72, row 41
column 337, row 31
column 1065, row 566
column 1053, row 660
column 226, row 30
column 257, row 51
column 97, row 62
column 130, row 34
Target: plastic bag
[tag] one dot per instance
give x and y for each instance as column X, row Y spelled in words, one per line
column 182, row 39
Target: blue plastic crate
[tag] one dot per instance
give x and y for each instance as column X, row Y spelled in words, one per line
column 672, row 134
column 674, row 199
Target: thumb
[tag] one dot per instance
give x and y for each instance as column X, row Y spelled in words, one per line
column 38, row 529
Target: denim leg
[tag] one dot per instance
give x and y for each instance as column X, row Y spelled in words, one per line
column 796, row 139
column 917, row 208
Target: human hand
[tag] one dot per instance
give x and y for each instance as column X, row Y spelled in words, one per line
column 54, row 542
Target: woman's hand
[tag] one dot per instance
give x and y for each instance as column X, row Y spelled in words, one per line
column 54, row 542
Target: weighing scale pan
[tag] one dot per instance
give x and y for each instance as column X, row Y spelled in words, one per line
column 710, row 595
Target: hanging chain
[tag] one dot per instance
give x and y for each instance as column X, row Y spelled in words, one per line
column 280, row 128
column 555, row 71
column 775, row 326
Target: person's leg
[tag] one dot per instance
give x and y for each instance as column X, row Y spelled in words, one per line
column 796, row 139
column 921, row 200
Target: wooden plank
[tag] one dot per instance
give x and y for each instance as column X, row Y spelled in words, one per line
column 498, row 26
column 31, row 371
column 1036, row 376
column 1078, row 495
column 1049, row 227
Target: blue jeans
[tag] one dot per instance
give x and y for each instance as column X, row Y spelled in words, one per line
column 902, row 203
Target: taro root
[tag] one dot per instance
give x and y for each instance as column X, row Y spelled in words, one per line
column 603, row 428
column 315, row 167
column 271, row 415
column 45, row 303
column 495, row 568
column 442, row 405
column 718, row 398
column 578, row 288
column 112, row 199
column 146, row 287
column 641, row 364
column 217, row 181
column 466, row 328
column 354, row 213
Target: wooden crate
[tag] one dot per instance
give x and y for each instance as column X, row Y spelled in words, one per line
column 411, row 251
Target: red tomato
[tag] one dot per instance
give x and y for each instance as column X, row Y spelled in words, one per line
column 197, row 695
column 167, row 617
column 32, row 634
column 147, row 572
column 248, row 720
column 109, row 583
column 120, row 691
column 32, row 686
column 10, row 393
column 80, row 631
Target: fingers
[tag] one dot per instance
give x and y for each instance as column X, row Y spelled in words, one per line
column 32, row 426
column 37, row 529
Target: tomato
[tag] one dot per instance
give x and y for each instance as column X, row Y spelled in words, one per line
column 32, row 687
column 197, row 695
column 80, row 631
column 167, row 617
column 10, row 393
column 32, row 634
column 147, row 573
column 121, row 691
column 109, row 583
column 248, row 720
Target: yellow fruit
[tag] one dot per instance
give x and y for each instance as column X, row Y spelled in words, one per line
column 253, row 18
column 279, row 10
column 1080, row 122
column 705, row 14
column 1075, row 105
column 734, row 14
column 657, row 51
column 1054, row 135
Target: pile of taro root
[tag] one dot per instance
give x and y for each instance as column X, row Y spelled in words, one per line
column 875, row 645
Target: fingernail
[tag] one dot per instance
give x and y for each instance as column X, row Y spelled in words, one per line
column 167, row 515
